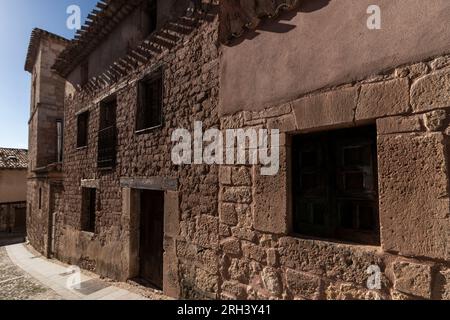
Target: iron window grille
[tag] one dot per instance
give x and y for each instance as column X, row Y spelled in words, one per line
column 150, row 102
column 107, row 134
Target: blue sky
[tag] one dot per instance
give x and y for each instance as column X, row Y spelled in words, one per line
column 17, row 20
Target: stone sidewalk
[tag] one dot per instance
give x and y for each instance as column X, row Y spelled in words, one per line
column 25, row 275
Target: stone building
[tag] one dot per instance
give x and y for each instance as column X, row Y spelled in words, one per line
column 46, row 123
column 360, row 206
column 13, row 194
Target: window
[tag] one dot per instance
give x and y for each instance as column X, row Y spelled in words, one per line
column 107, row 135
column 59, row 141
column 84, row 73
column 335, row 185
column 82, row 131
column 149, row 109
column 88, row 214
column 152, row 12
column 40, row 198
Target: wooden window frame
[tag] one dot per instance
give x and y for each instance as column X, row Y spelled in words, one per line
column 324, row 204
column 144, row 121
column 107, row 134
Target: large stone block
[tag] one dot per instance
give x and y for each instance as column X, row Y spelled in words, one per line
column 399, row 124
column 228, row 214
column 171, row 281
column 302, row 284
column 383, row 99
column 347, row 263
column 326, row 109
column 271, row 198
column 412, row 278
column 237, row 194
column 414, row 200
column 348, row 291
column 431, row 92
column 172, row 214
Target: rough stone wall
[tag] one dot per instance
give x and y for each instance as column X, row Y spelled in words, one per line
column 190, row 71
column 259, row 259
column 46, row 108
column 228, row 233
column 37, row 217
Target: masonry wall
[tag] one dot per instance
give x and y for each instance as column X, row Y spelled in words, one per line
column 228, row 230
column 190, row 71
column 260, row 258
column 47, row 103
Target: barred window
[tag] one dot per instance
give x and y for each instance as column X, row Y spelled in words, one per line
column 335, row 185
column 149, row 109
column 107, row 135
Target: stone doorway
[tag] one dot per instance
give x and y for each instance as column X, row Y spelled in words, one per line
column 151, row 238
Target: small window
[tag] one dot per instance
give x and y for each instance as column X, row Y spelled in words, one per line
column 88, row 214
column 149, row 109
column 335, row 185
column 152, row 10
column 107, row 135
column 40, row 198
column 84, row 73
column 59, row 141
column 82, row 131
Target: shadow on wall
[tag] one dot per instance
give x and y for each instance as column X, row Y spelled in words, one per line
column 278, row 24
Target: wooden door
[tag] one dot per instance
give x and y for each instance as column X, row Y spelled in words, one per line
column 20, row 220
column 152, row 237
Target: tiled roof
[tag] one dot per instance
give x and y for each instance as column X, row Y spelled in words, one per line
column 100, row 22
column 33, row 47
column 166, row 37
column 13, row 158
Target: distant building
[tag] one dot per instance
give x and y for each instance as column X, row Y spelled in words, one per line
column 13, row 189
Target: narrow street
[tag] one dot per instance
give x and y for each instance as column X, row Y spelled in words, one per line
column 15, row 284
column 25, row 275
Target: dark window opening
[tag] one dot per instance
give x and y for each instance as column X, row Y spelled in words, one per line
column 82, row 130
column 40, row 198
column 59, row 141
column 84, row 73
column 88, row 215
column 335, row 187
column 149, row 109
column 152, row 11
column 107, row 135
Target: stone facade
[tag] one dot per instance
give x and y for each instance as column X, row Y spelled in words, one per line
column 410, row 107
column 144, row 161
column 228, row 231
column 44, row 161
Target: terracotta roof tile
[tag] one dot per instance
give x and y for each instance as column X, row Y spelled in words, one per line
column 13, row 158
column 33, row 47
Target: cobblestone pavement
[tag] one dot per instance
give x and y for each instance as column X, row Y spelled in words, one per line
column 16, row 284
column 26, row 275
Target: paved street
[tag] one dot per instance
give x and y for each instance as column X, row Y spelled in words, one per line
column 15, row 284
column 27, row 276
